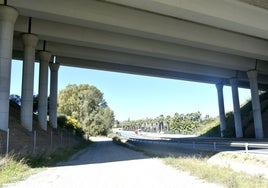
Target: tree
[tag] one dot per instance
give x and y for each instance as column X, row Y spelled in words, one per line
column 160, row 121
column 174, row 126
column 185, row 123
column 86, row 104
column 168, row 122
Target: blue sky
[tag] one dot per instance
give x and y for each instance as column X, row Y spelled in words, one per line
column 137, row 97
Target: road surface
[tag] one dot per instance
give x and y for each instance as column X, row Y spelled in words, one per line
column 105, row 164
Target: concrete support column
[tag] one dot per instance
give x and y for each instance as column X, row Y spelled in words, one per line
column 53, row 100
column 8, row 16
column 256, row 107
column 236, row 106
column 29, row 42
column 221, row 108
column 43, row 86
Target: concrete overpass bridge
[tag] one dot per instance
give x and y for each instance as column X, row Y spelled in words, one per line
column 222, row 42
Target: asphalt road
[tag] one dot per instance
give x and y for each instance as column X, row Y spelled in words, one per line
column 105, row 164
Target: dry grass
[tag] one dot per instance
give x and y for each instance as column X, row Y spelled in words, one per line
column 13, row 169
column 253, row 159
column 225, row 176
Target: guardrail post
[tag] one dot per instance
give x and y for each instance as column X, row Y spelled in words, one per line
column 194, row 145
column 246, row 147
column 214, row 146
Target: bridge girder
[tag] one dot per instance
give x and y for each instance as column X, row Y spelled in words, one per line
column 152, row 35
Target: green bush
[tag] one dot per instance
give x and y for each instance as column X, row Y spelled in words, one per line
column 70, row 124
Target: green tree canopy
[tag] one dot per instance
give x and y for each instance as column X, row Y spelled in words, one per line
column 86, row 104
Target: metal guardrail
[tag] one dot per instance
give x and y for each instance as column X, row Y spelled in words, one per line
column 250, row 145
column 215, row 145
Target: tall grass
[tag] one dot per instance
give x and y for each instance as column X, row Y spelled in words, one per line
column 13, row 169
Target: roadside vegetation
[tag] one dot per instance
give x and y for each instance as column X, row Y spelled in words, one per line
column 178, row 124
column 82, row 110
column 199, row 167
column 86, row 107
column 14, row 168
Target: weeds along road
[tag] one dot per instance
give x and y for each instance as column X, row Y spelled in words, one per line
column 105, row 164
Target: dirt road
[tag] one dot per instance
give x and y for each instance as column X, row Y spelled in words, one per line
column 105, row 164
